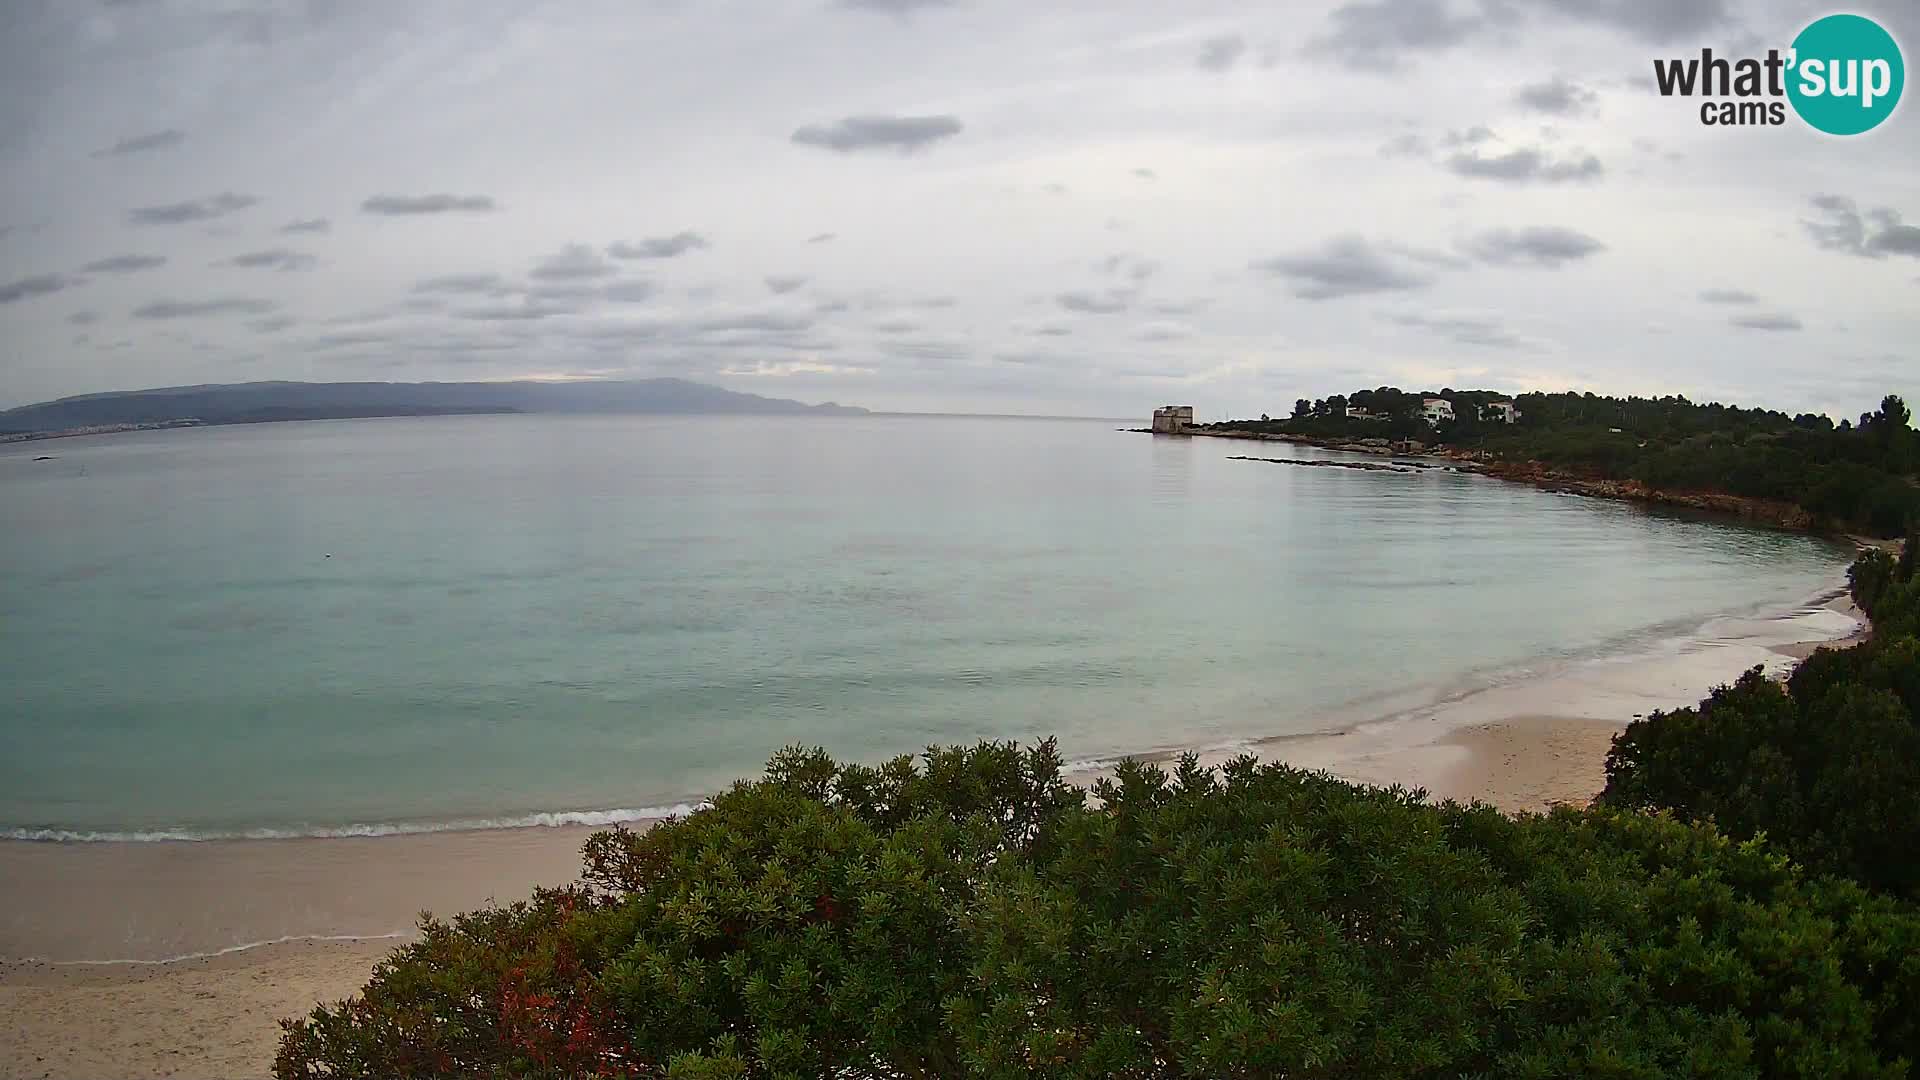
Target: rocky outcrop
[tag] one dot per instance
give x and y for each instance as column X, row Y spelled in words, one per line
column 1764, row 511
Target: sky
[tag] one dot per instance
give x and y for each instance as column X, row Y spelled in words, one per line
column 1009, row 206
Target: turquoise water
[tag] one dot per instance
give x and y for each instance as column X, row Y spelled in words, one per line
column 375, row 625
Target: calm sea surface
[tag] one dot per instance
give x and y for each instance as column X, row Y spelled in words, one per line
column 379, row 624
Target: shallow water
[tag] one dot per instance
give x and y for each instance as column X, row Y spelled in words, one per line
column 381, row 625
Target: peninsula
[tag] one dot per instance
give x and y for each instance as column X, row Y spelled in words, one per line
column 266, row 402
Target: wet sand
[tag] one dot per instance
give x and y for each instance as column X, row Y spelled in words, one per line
column 1524, row 745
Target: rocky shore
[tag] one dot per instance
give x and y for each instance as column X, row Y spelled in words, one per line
column 1760, row 511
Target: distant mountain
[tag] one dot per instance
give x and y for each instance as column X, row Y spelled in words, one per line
column 262, row 402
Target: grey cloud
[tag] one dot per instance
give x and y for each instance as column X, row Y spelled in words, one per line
column 83, row 318
column 1162, row 332
column 491, row 284
column 135, row 144
column 1525, row 165
column 659, row 247
column 1874, row 234
column 1547, row 246
column 186, row 309
column 1130, row 266
column 765, row 322
column 898, row 326
column 1898, row 240
column 271, row 324
column 785, row 283
column 1406, row 144
column 1560, row 96
column 1728, row 296
column 1054, row 189
column 895, row 7
column 1775, row 322
column 181, row 213
column 1467, row 330
column 1146, row 174
column 1110, row 302
column 1648, row 20
column 821, row 238
column 900, row 134
column 1053, row 330
column 1344, row 266
column 274, row 259
column 929, row 303
column 1373, row 35
column 124, row 264
column 630, row 292
column 522, row 312
column 575, row 262
column 400, row 205
column 1222, row 52
column 37, row 285
column 307, row 225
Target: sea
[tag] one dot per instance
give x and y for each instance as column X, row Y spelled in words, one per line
column 389, row 626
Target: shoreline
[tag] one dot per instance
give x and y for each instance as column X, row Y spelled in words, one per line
column 313, row 915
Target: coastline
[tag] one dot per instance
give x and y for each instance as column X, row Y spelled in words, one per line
column 232, row 935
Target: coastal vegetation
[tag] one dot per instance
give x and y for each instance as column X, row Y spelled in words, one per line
column 1825, row 766
column 972, row 914
column 1862, row 476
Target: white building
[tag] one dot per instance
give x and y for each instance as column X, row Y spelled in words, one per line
column 1172, row 419
column 1500, row 412
column 1356, row 413
column 1434, row 410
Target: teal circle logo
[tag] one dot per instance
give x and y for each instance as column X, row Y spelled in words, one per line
column 1845, row 74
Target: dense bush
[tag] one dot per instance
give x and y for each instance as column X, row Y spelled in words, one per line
column 975, row 916
column 1827, row 766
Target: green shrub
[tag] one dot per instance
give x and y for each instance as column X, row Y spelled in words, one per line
column 973, row 915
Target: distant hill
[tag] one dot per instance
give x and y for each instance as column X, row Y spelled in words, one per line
column 262, row 402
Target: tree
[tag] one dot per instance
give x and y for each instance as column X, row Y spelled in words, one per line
column 1302, row 408
column 973, row 915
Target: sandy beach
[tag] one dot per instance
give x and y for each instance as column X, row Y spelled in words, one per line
column 231, row 936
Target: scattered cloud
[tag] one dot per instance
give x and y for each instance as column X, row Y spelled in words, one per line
column 1728, row 296
column 124, row 264
column 1108, row 302
column 630, row 292
column 896, row 7
column 1343, row 266
column 822, row 238
column 784, row 283
column 181, row 213
column 898, row 134
column 1482, row 331
column 1873, row 234
column 139, row 144
column 307, row 225
column 575, row 262
column 188, row 309
column 485, row 284
column 1558, row 95
column 1222, row 52
column 1777, row 321
column 1146, row 174
column 1525, row 165
column 1546, row 246
column 403, row 205
column 37, row 285
column 83, row 318
column 1378, row 35
column 272, row 324
column 1161, row 332
column 280, row 259
column 660, row 247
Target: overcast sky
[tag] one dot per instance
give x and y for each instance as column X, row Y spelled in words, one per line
column 961, row 205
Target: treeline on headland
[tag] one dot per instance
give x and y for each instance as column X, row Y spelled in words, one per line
column 972, row 914
column 1858, row 476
